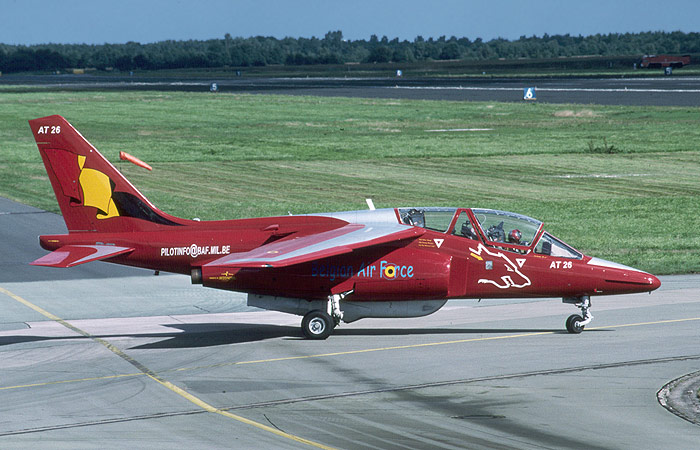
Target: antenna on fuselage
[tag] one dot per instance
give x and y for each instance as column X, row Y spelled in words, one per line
column 370, row 204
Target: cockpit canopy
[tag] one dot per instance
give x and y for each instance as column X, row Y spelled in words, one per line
column 501, row 229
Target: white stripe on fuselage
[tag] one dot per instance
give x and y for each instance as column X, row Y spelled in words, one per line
column 613, row 265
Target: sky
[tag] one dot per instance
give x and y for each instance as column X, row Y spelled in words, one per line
column 29, row 22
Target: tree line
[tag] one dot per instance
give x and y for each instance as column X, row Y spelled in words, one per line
column 333, row 49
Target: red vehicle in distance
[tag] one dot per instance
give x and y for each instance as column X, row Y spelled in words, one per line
column 329, row 267
column 661, row 61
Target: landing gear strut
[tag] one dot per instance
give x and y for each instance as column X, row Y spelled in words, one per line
column 318, row 324
column 575, row 323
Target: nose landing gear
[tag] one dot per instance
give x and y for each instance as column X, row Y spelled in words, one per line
column 575, row 323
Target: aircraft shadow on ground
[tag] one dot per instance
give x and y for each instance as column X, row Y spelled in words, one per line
column 190, row 336
column 215, row 334
column 439, row 331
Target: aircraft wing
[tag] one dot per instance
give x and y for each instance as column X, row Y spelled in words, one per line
column 321, row 245
column 72, row 255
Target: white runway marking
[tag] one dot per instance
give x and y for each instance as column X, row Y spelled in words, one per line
column 602, row 175
column 479, row 88
column 458, row 129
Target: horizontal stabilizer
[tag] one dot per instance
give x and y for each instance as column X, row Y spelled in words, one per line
column 317, row 246
column 72, row 255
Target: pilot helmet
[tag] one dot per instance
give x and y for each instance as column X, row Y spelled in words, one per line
column 515, row 235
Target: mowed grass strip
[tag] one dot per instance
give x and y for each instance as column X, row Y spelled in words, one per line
column 621, row 183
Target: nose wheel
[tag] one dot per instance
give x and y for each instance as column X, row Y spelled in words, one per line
column 575, row 323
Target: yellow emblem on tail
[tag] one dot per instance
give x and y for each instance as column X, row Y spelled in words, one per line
column 97, row 191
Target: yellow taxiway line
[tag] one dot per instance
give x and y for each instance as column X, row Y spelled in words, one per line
column 163, row 382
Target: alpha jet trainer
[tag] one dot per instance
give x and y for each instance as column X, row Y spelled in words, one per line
column 330, row 267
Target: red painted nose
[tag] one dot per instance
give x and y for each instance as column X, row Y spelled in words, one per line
column 646, row 281
column 632, row 281
column 655, row 282
column 620, row 279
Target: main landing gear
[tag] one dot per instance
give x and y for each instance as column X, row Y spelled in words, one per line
column 318, row 324
column 575, row 323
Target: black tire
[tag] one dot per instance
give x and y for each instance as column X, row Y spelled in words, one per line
column 317, row 325
column 573, row 324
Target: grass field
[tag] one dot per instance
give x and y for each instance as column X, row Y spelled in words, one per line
column 621, row 183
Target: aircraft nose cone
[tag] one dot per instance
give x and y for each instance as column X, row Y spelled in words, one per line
column 646, row 281
column 624, row 279
column 654, row 282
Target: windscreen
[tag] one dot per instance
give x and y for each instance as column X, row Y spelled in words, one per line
column 549, row 245
column 507, row 227
column 432, row 218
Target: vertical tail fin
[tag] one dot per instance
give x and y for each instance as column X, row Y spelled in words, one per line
column 92, row 194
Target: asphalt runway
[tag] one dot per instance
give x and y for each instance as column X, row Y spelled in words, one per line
column 648, row 91
column 99, row 355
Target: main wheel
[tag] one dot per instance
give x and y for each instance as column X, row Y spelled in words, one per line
column 573, row 324
column 317, row 325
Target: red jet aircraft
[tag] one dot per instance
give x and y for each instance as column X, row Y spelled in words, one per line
column 328, row 268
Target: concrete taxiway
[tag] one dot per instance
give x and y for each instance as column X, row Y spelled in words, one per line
column 116, row 357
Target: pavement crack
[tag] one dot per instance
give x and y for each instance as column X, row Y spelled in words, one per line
column 100, row 422
column 272, row 423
